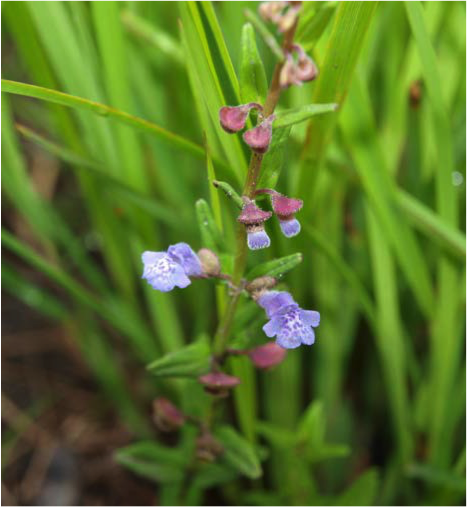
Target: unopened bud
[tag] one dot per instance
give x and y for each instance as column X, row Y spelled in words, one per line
column 209, row 262
column 288, row 19
column 218, row 384
column 166, row 415
column 208, row 448
column 267, row 356
column 272, row 11
column 257, row 286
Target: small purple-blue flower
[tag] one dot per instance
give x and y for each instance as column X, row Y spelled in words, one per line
column 166, row 270
column 291, row 325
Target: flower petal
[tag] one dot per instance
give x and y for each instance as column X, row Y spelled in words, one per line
column 308, row 336
column 258, row 240
column 274, row 301
column 290, row 228
column 272, row 327
column 310, row 317
column 164, row 274
column 288, row 342
column 186, row 257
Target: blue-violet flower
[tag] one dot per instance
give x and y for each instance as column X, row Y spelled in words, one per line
column 166, row 270
column 291, row 325
column 285, row 209
column 254, row 218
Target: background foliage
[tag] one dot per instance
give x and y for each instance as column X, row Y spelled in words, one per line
column 374, row 412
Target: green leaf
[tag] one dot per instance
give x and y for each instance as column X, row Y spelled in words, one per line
column 436, row 476
column 153, row 461
column 210, row 233
column 428, row 222
column 238, row 452
column 212, row 474
column 190, row 361
column 229, row 192
column 290, row 117
column 265, row 34
column 274, row 158
column 276, row 435
column 350, row 25
column 277, row 267
column 80, row 103
column 313, row 21
column 253, row 83
column 36, row 298
column 363, row 490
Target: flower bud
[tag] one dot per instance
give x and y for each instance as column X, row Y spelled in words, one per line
column 218, row 383
column 272, row 11
column 259, row 137
column 233, row 118
column 288, row 19
column 207, row 447
column 288, row 75
column 306, row 67
column 166, row 415
column 257, row 286
column 267, row 356
column 209, row 262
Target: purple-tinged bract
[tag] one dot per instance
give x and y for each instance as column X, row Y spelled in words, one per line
column 233, row 118
column 259, row 137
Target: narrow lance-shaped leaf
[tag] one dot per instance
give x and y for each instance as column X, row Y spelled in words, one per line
column 210, row 233
column 253, row 83
column 276, row 267
column 84, row 104
column 290, row 117
column 239, row 453
column 152, row 461
column 229, row 192
column 190, row 361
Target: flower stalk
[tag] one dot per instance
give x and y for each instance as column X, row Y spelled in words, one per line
column 225, row 325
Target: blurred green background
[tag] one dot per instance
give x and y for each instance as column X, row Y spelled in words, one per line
column 374, row 412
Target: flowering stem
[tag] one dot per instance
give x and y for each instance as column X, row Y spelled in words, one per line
column 249, row 189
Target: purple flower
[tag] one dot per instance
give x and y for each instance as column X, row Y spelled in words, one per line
column 254, row 218
column 291, row 325
column 166, row 270
column 285, row 208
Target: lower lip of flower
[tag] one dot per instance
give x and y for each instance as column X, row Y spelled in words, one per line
column 257, row 237
column 290, row 226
